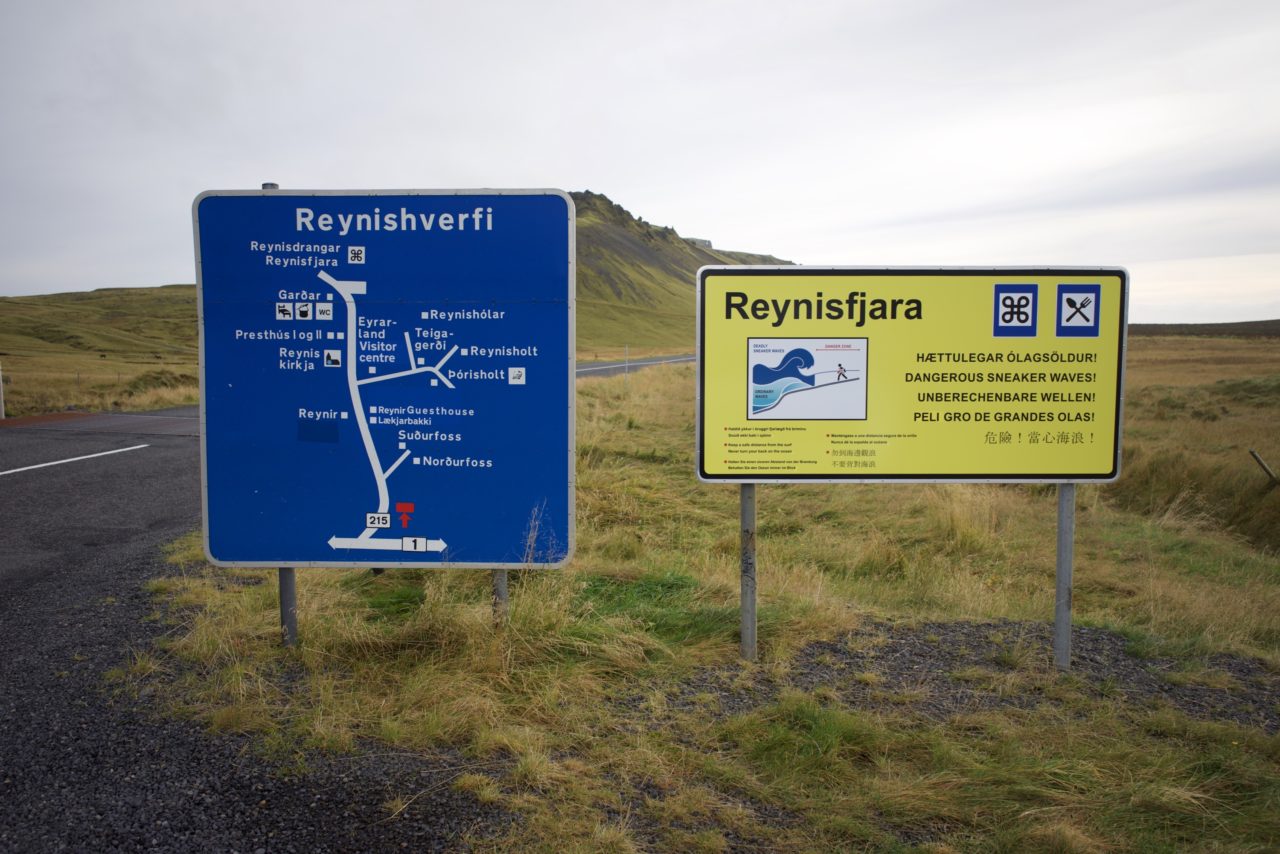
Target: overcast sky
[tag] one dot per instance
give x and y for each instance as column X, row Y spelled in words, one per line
column 912, row 132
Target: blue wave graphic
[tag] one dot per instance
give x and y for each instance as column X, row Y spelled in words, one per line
column 767, row 396
column 790, row 367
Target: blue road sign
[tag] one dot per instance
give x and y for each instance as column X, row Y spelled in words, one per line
column 386, row 378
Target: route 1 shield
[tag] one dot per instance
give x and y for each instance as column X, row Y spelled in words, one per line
column 387, row 377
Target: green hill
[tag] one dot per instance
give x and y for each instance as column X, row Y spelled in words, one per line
column 104, row 348
column 113, row 348
column 123, row 322
column 635, row 280
column 635, row 289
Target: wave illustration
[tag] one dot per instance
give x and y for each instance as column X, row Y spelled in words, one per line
column 791, row 366
column 764, row 397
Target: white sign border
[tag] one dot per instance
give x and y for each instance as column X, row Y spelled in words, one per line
column 572, row 378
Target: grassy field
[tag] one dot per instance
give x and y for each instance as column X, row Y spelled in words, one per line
column 136, row 348
column 905, row 698
column 114, row 348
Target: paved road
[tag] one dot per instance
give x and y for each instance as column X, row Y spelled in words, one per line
column 82, row 769
column 87, row 504
column 609, row 369
column 59, row 516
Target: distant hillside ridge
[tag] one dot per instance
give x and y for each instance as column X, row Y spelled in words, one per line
column 151, row 323
column 1241, row 329
column 636, row 280
column 635, row 289
column 622, row 257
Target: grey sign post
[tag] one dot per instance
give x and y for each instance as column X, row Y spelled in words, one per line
column 748, row 589
column 288, row 606
column 501, row 597
column 1062, row 597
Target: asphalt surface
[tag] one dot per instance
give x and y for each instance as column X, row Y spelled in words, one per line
column 87, row 504
column 610, row 369
column 83, row 768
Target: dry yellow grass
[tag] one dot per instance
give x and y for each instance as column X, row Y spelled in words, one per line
column 41, row 383
column 1186, row 361
column 578, row 697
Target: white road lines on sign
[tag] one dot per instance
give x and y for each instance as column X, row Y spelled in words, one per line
column 397, row 463
column 346, row 289
column 425, row 369
column 72, row 459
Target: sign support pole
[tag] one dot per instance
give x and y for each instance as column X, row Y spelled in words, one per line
column 288, row 606
column 501, row 598
column 1062, row 600
column 1, row 392
column 748, row 594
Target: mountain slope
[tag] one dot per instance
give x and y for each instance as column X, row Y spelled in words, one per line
column 635, row 290
column 125, row 322
column 635, row 280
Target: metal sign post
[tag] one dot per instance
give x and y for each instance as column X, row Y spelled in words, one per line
column 1065, row 555
column 748, row 571
column 288, row 606
column 501, row 597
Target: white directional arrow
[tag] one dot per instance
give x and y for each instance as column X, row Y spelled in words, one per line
column 408, row 544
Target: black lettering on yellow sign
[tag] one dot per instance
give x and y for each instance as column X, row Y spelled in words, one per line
column 855, row 306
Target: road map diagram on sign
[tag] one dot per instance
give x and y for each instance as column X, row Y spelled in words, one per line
column 807, row 379
column 382, row 386
column 367, row 539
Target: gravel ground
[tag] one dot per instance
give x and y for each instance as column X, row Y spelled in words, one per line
column 83, row 770
column 942, row 669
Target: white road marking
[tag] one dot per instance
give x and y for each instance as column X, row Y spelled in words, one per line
column 72, row 459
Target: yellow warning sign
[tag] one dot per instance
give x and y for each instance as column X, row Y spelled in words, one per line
column 809, row 373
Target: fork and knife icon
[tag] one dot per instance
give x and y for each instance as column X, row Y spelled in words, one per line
column 1077, row 309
